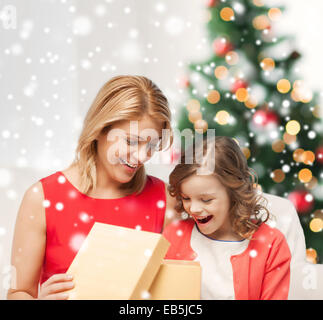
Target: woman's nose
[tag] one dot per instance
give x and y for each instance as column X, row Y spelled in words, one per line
column 141, row 154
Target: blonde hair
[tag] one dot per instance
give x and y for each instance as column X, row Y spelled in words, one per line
column 121, row 98
column 248, row 207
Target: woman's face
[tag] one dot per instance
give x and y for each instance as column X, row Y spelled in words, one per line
column 127, row 146
column 206, row 200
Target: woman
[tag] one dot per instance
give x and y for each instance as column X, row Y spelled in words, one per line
column 105, row 183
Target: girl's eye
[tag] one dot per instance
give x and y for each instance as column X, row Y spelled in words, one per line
column 208, row 200
column 185, row 198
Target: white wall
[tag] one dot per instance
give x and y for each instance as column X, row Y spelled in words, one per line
column 62, row 51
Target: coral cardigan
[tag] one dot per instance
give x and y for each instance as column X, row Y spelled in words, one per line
column 261, row 272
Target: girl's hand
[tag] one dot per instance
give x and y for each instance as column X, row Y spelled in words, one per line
column 54, row 288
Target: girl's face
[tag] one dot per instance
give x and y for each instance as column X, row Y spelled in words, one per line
column 206, row 200
column 127, row 146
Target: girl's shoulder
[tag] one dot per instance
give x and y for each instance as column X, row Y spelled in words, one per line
column 268, row 234
column 179, row 229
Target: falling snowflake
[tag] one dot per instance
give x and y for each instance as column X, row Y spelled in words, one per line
column 160, row 204
column 59, row 206
column 76, row 241
column 253, row 253
column 145, row 295
column 2, row 231
column 72, row 194
column 174, row 26
column 179, row 232
column 84, row 217
column 5, row 177
column 82, row 26
column 46, row 203
column 148, row 253
column 272, row 223
column 61, row 179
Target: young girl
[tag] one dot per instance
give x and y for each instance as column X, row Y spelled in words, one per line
column 241, row 257
column 58, row 211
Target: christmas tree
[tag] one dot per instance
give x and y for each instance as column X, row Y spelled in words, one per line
column 248, row 89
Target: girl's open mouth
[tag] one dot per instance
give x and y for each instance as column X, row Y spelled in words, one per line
column 203, row 220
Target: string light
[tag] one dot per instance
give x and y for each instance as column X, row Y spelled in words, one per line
column 316, row 224
column 305, row 175
column 232, row 58
column 221, row 72
column 288, row 138
column 312, row 184
column 297, row 155
column 227, row 14
column 213, row 97
column 274, row 14
column 246, row 152
column 278, row 146
column 193, row 105
column 308, row 157
column 293, row 127
column 283, row 85
column 267, row 64
column 278, row 175
column 222, row 117
column 258, row 3
column 251, row 102
column 242, row 95
column 201, row 125
column 311, row 255
column 194, row 116
column 261, row 22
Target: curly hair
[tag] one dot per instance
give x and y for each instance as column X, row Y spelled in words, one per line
column 248, row 207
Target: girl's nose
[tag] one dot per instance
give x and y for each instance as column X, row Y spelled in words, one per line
column 195, row 207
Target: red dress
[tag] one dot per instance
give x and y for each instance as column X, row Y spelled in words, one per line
column 71, row 214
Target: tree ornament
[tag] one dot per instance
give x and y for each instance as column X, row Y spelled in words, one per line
column 238, row 84
column 183, row 82
column 319, row 155
column 221, row 46
column 302, row 200
column 263, row 118
column 211, row 3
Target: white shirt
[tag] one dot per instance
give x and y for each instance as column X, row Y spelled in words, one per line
column 214, row 257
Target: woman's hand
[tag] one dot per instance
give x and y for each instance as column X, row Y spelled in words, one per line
column 55, row 287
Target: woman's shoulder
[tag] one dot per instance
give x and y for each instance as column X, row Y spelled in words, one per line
column 155, row 180
column 48, row 177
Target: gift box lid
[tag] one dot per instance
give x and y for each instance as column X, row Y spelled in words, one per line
column 116, row 263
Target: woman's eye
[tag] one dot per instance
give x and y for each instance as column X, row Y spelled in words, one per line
column 132, row 142
column 153, row 146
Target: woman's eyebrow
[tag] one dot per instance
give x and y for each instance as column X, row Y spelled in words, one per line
column 208, row 194
column 136, row 137
column 142, row 139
